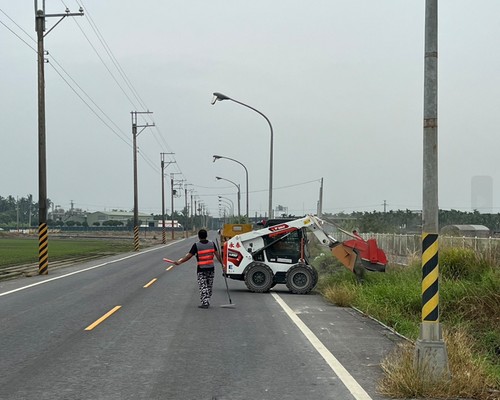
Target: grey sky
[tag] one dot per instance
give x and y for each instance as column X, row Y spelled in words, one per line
column 341, row 82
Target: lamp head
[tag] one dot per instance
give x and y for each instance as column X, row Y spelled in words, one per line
column 218, row 177
column 216, row 157
column 219, row 97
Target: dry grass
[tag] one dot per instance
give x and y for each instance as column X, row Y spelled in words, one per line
column 469, row 379
column 342, row 295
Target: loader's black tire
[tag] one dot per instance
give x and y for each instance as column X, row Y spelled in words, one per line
column 301, row 279
column 259, row 278
column 315, row 277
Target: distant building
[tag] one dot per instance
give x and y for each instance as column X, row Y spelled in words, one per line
column 121, row 216
column 480, row 231
column 168, row 223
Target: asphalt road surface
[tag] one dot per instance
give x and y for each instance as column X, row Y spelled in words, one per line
column 128, row 328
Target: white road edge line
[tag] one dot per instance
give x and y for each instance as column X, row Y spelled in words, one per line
column 350, row 383
column 84, row 270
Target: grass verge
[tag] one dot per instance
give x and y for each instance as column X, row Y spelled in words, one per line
column 19, row 251
column 470, row 316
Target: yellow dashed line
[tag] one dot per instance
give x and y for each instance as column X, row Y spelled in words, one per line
column 150, row 283
column 169, row 268
column 104, row 317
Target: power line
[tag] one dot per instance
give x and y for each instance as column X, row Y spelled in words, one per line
column 103, row 63
column 15, row 34
column 88, row 105
column 113, row 58
column 118, row 132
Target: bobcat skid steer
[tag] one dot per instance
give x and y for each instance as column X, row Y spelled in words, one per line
column 277, row 254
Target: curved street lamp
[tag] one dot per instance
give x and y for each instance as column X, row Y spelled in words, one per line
column 220, row 97
column 229, row 202
column 237, row 187
column 246, row 173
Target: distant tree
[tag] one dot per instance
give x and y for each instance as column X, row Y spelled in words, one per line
column 112, row 223
column 96, row 223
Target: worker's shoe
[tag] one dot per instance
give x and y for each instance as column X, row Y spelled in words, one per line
column 204, row 306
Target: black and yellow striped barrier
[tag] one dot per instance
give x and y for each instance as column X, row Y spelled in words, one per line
column 43, row 249
column 136, row 238
column 430, row 278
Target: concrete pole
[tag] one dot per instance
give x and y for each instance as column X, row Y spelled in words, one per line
column 43, row 237
column 163, row 238
column 186, row 211
column 431, row 358
column 172, row 203
column 136, row 205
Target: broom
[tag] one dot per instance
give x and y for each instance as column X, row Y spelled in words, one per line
column 230, row 305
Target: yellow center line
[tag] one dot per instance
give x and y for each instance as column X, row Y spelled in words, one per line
column 169, row 268
column 104, row 317
column 150, row 283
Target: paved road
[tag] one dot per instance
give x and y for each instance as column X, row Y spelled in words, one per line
column 157, row 344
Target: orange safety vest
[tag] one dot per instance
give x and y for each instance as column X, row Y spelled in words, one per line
column 206, row 254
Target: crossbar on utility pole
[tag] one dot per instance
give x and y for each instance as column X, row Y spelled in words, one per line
column 43, row 237
column 136, row 202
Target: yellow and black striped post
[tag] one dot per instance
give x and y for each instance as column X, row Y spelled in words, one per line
column 430, row 278
column 431, row 356
column 136, row 238
column 43, row 249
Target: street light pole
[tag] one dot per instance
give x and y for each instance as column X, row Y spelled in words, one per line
column 239, row 192
column 220, row 97
column 246, row 173
column 228, row 202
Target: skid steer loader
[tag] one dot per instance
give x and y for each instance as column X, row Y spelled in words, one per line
column 277, row 254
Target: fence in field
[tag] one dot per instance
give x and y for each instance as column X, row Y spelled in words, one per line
column 401, row 248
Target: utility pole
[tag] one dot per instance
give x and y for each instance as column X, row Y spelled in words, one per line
column 163, row 166
column 30, row 199
column 17, row 212
column 186, row 209
column 431, row 357
column 43, row 236
column 136, row 205
column 173, row 192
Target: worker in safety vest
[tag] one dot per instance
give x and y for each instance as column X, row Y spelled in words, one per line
column 205, row 251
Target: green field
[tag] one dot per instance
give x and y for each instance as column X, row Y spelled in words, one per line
column 18, row 251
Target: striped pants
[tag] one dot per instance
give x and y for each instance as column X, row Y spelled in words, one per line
column 205, row 283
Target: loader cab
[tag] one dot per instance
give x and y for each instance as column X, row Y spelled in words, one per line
column 282, row 249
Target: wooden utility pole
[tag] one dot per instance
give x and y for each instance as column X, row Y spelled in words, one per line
column 163, row 166
column 134, row 145
column 43, row 237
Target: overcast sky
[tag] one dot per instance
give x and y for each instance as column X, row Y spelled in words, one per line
column 340, row 81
